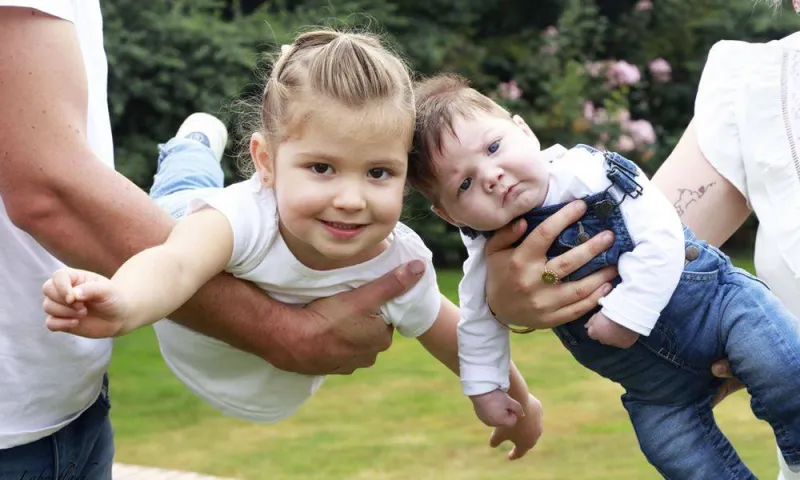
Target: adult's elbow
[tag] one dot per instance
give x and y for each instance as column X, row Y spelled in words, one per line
column 33, row 209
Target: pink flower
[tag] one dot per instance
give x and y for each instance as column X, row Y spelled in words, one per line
column 661, row 70
column 594, row 69
column 643, row 5
column 550, row 35
column 510, row 90
column 623, row 73
column 550, row 48
column 600, row 116
column 623, row 116
column 641, row 132
column 625, row 144
column 588, row 110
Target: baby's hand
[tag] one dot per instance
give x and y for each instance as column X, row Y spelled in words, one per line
column 609, row 332
column 83, row 303
column 525, row 433
column 496, row 408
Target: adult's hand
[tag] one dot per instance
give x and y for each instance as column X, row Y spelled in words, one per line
column 515, row 289
column 346, row 331
column 722, row 369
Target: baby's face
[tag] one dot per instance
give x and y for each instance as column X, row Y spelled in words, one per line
column 490, row 172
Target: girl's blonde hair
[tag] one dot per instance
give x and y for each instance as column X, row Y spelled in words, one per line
column 351, row 70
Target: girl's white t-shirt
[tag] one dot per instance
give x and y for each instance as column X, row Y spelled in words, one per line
column 243, row 385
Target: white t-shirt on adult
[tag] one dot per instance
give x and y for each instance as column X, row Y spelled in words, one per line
column 747, row 117
column 47, row 379
column 243, row 385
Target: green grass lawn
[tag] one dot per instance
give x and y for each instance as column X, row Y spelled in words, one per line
column 405, row 418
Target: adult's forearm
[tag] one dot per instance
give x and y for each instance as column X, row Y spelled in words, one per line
column 99, row 227
column 242, row 315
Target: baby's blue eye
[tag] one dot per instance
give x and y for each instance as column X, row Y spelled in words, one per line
column 465, row 185
column 494, row 146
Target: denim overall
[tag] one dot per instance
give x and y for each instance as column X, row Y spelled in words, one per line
column 716, row 311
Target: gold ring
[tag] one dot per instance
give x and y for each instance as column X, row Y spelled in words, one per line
column 549, row 276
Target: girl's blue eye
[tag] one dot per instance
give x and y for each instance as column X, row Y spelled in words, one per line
column 494, row 146
column 321, row 168
column 465, row 185
column 379, row 173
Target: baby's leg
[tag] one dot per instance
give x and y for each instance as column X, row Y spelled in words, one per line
column 763, row 345
column 189, row 163
column 683, row 442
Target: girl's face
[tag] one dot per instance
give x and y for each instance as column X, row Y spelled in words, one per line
column 339, row 185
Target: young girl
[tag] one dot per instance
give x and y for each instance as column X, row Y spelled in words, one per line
column 319, row 216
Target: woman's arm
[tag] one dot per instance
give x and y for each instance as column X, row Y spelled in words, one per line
column 709, row 204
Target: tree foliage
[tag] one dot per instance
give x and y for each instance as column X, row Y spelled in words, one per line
column 615, row 73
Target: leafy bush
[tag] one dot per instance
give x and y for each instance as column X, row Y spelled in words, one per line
column 619, row 74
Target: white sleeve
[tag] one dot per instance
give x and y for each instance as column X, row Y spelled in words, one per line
column 253, row 215
column 651, row 272
column 484, row 351
column 719, row 106
column 58, row 8
column 414, row 312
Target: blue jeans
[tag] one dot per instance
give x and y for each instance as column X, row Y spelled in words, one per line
column 186, row 169
column 83, row 450
column 717, row 311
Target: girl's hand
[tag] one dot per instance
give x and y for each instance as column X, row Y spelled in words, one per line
column 84, row 303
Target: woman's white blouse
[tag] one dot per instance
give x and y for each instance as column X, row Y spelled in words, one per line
column 747, row 117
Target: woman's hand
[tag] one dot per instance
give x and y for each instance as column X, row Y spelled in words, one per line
column 722, row 369
column 515, row 289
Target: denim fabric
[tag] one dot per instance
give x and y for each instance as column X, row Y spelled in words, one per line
column 83, row 450
column 186, row 169
column 716, row 311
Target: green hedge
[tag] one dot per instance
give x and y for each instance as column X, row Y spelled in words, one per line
column 621, row 74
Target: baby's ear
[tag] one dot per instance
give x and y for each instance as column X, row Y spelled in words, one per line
column 259, row 153
column 525, row 128
column 444, row 216
column 521, row 124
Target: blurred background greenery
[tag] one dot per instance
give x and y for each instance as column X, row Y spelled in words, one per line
column 620, row 74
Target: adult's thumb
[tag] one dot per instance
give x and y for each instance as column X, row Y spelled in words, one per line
column 504, row 238
column 371, row 296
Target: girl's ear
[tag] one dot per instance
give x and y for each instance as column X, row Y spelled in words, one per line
column 259, row 153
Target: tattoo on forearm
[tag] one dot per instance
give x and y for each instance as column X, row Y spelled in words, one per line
column 687, row 196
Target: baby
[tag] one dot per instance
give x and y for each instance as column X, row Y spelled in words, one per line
column 677, row 304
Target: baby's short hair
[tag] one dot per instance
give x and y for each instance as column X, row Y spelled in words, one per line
column 439, row 101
